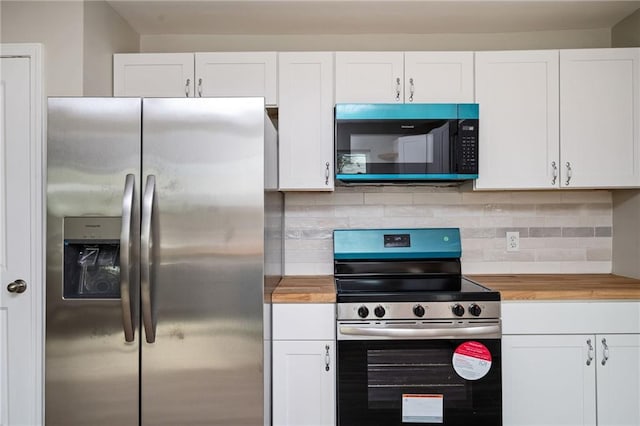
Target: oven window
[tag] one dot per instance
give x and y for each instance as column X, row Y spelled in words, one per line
column 394, row 372
column 394, row 147
column 375, row 375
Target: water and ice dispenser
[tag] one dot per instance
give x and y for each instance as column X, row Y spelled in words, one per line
column 91, row 258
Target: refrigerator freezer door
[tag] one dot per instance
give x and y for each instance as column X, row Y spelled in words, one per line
column 91, row 371
column 205, row 248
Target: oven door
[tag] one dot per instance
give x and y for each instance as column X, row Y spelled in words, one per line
column 405, row 380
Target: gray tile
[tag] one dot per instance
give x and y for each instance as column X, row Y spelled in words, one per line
column 603, row 231
column 546, row 232
column 502, row 232
column 582, row 231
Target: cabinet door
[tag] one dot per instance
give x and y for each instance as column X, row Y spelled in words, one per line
column 599, row 113
column 518, row 96
column 445, row 77
column 303, row 383
column 305, row 120
column 546, row 380
column 153, row 75
column 237, row 74
column 618, row 378
column 369, row 77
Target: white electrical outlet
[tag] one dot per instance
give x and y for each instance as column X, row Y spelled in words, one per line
column 513, row 241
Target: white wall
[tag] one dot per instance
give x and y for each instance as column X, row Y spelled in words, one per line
column 105, row 33
column 627, row 32
column 79, row 40
column 57, row 25
column 626, row 203
column 507, row 41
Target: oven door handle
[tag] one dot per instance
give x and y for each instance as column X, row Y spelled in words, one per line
column 409, row 333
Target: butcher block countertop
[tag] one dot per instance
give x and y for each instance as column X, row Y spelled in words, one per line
column 321, row 289
column 305, row 289
column 561, row 286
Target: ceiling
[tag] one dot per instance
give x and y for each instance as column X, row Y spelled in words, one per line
column 366, row 17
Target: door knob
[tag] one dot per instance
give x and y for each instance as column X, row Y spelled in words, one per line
column 18, row 286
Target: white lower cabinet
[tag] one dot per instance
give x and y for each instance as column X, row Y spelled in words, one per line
column 303, row 383
column 556, row 374
column 303, row 365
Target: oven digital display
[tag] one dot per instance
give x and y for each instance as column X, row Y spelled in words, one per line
column 397, row 240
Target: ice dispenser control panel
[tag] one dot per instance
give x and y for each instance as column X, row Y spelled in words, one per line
column 91, row 258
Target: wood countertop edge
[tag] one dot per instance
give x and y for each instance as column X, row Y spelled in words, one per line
column 305, row 289
column 512, row 287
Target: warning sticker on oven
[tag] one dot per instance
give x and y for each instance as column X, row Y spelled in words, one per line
column 422, row 408
column 472, row 360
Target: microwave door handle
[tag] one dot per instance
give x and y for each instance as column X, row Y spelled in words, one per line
column 128, row 199
column 145, row 257
column 451, row 332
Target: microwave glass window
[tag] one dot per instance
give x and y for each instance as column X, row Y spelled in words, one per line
column 394, row 148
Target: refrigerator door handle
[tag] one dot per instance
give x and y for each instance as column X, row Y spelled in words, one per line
column 125, row 256
column 145, row 257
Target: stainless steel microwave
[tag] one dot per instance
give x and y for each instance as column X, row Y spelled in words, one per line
column 377, row 143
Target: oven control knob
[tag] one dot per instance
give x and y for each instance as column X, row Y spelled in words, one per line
column 418, row 310
column 458, row 310
column 363, row 312
column 475, row 310
column 379, row 311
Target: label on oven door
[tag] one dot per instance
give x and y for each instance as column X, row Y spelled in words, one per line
column 422, row 408
column 472, row 360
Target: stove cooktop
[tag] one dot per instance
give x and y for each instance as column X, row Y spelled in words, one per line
column 366, row 290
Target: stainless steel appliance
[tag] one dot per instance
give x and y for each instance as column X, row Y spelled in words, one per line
column 164, row 237
column 406, row 142
column 417, row 342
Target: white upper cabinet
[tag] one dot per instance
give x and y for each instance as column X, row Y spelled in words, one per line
column 438, row 77
column 369, row 77
column 600, row 117
column 202, row 74
column 153, row 74
column 237, row 74
column 390, row 77
column 519, row 123
column 559, row 119
column 305, row 120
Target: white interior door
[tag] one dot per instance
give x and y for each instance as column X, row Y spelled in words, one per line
column 20, row 247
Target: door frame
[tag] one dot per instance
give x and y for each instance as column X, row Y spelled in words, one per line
column 37, row 167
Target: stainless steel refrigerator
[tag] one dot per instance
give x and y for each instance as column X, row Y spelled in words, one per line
column 164, row 240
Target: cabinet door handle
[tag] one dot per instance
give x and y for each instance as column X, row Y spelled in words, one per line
column 589, row 352
column 326, row 173
column 411, row 90
column 569, row 173
column 605, row 351
column 398, row 89
column 327, row 358
column 200, row 87
column 186, row 87
column 555, row 172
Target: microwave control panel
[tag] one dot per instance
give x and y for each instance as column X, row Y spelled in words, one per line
column 468, row 153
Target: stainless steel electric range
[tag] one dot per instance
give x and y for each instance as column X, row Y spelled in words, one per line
column 418, row 343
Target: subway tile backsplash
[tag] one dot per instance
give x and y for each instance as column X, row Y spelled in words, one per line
column 560, row 231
